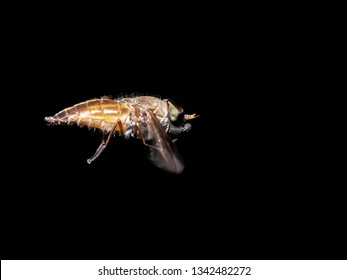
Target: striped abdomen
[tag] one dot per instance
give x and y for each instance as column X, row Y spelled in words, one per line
column 96, row 113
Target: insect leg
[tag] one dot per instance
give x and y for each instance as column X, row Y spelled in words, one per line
column 99, row 150
column 137, row 127
column 103, row 143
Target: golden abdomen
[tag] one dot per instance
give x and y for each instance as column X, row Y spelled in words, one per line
column 95, row 113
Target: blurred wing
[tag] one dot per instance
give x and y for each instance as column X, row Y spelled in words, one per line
column 164, row 154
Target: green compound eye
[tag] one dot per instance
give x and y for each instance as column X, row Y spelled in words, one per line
column 174, row 114
column 174, row 110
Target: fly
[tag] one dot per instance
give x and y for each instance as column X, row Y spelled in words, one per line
column 147, row 118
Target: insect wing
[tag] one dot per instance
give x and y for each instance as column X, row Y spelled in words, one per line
column 164, row 153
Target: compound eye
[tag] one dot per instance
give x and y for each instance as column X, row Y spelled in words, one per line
column 175, row 111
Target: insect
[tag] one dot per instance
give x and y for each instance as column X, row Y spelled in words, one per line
column 148, row 118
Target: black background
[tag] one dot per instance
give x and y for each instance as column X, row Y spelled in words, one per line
column 253, row 187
